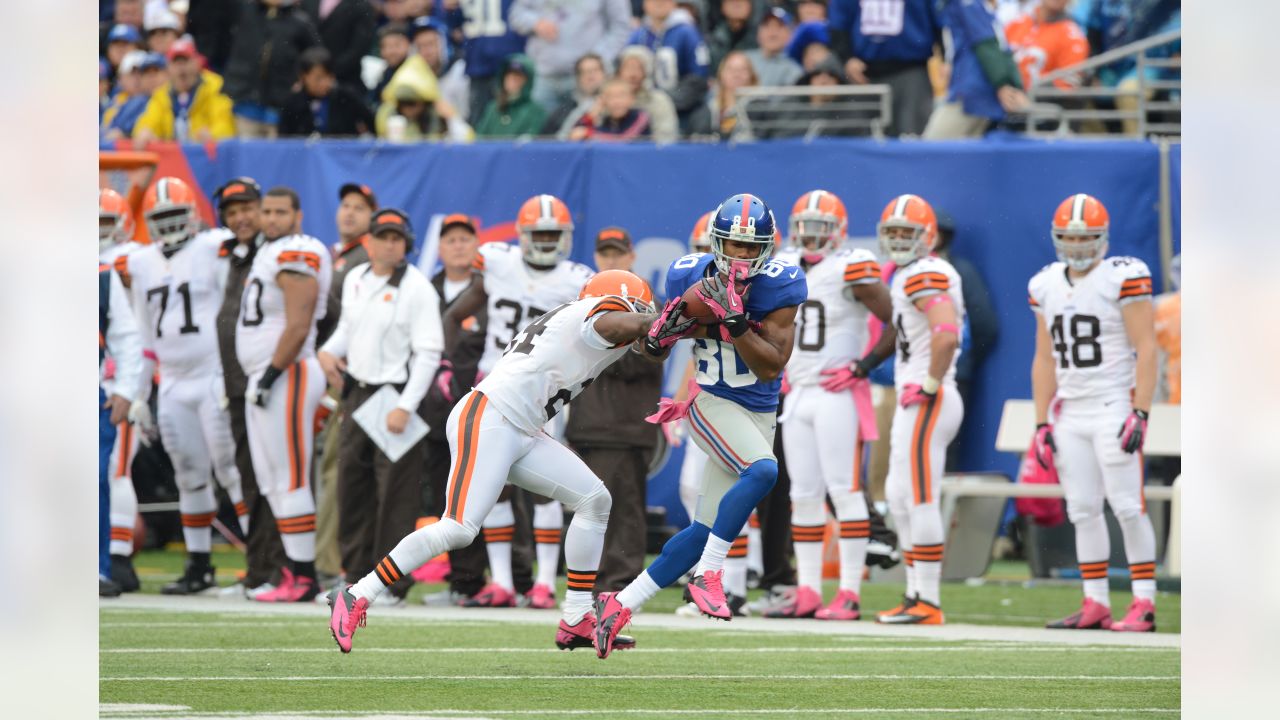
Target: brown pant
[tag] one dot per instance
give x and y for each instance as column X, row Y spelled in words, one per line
column 623, row 471
column 264, row 555
column 328, row 554
column 379, row 501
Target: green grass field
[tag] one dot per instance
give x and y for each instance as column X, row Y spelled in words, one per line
column 230, row 658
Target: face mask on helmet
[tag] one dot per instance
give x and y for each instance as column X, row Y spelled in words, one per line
column 739, row 234
column 108, row 227
column 814, row 237
column 171, row 227
column 545, row 247
column 902, row 241
column 1080, row 249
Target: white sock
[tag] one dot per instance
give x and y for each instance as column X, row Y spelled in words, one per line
column 499, row 531
column 755, row 551
column 808, row 523
column 713, row 554
column 548, row 519
column 855, row 534
column 640, row 591
column 853, row 559
column 912, row 590
column 410, row 553
column 926, row 546
column 124, row 510
column 1140, row 549
column 735, row 576
column 577, row 603
column 198, row 508
column 929, row 581
column 1093, row 549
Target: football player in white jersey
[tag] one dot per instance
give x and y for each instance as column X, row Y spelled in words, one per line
column 928, row 312
column 496, row 437
column 1095, row 366
column 821, row 426
column 519, row 284
column 115, row 241
column 276, row 345
column 177, row 286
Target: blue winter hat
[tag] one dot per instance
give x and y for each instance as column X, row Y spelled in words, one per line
column 805, row 35
column 153, row 61
column 124, row 33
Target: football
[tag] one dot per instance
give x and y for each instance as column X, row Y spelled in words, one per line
column 694, row 307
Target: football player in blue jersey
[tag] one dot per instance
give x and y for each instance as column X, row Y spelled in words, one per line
column 740, row 356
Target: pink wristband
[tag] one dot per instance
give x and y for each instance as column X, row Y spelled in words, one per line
column 946, row 327
column 150, row 355
column 940, row 297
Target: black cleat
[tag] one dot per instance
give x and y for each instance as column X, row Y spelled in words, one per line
column 123, row 574
column 194, row 581
column 108, row 588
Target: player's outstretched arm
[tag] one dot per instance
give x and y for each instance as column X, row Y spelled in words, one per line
column 1044, row 381
column 876, row 297
column 470, row 302
column 1140, row 326
column 301, row 293
column 767, row 350
column 621, row 328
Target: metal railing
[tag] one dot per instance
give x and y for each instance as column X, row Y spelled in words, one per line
column 1063, row 107
column 770, row 112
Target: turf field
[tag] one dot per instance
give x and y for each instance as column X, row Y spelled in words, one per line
column 166, row 657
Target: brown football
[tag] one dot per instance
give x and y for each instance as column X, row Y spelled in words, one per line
column 694, row 307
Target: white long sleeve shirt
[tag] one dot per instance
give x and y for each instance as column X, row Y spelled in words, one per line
column 390, row 331
column 123, row 341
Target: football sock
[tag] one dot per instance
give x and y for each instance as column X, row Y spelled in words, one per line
column 755, row 552
column 198, row 508
column 411, row 552
column 735, row 567
column 124, row 510
column 548, row 519
column 808, row 516
column 713, row 554
column 499, row 531
column 640, row 591
column 855, row 533
column 1093, row 548
column 903, row 519
column 926, row 549
column 236, row 496
column 1140, row 548
column 678, row 555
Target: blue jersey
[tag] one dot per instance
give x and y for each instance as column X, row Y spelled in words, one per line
column 488, row 39
column 971, row 22
column 677, row 51
column 719, row 369
column 887, row 30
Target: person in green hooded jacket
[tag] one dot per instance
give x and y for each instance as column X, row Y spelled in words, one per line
column 513, row 113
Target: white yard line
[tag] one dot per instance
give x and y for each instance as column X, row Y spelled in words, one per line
column 850, row 650
column 595, row 678
column 661, row 712
column 643, row 621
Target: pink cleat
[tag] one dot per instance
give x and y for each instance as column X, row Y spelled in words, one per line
column 540, row 597
column 1140, row 617
column 1091, row 616
column 570, row 637
column 491, row 595
column 804, row 603
column 707, row 592
column 610, row 618
column 292, row 589
column 844, row 606
column 347, row 614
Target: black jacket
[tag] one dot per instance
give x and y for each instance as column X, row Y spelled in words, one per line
column 210, row 22
column 348, row 115
column 610, row 413
column 265, row 45
column 465, row 361
column 347, row 33
column 233, row 377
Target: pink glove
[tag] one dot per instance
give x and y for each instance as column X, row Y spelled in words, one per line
column 839, row 379
column 668, row 328
column 108, row 368
column 913, row 394
column 670, row 411
column 786, row 383
column 1133, row 433
column 1043, row 446
column 725, row 301
column 444, row 380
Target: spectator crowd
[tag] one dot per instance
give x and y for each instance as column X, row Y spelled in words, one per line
column 590, row 70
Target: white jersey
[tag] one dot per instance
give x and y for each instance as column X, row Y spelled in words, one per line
column 831, row 326
column 262, row 304
column 177, row 299
column 1093, row 357
column 550, row 362
column 114, row 257
column 914, row 282
column 519, row 294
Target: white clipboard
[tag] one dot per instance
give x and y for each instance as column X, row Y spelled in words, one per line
column 372, row 418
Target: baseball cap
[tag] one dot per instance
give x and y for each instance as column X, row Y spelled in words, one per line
column 124, row 33
column 240, row 189
column 391, row 219
column 361, row 190
column 153, row 61
column 778, row 14
column 513, row 64
column 426, row 22
column 613, row 237
column 160, row 19
column 132, row 61
column 183, row 47
column 458, row 219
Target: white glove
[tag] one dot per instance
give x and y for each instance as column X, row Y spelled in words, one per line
column 140, row 417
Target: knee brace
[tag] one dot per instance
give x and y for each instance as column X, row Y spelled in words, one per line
column 593, row 508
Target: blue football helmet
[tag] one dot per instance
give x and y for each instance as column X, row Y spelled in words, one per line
column 743, row 218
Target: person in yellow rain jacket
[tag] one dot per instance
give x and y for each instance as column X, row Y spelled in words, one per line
column 191, row 106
